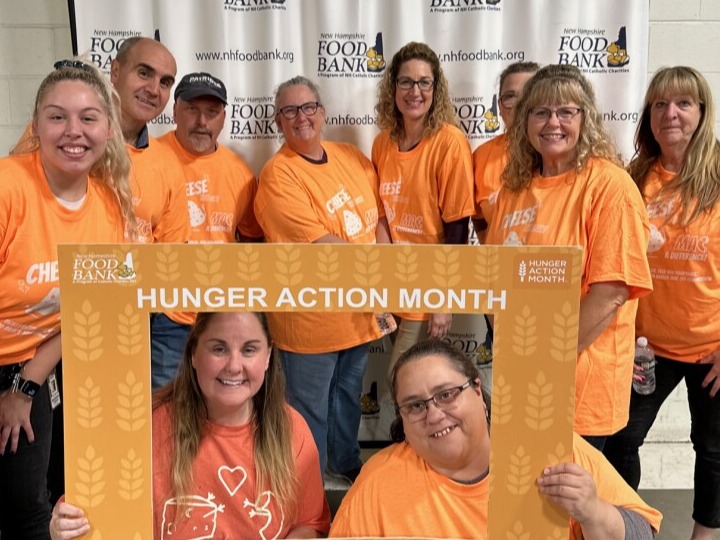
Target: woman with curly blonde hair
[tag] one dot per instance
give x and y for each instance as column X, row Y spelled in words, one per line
column 424, row 164
column 563, row 186
column 677, row 169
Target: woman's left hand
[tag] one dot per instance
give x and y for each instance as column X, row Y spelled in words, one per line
column 439, row 324
column 572, row 488
column 713, row 376
column 14, row 416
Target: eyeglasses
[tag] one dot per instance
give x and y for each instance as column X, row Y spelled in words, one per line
column 564, row 115
column 77, row 64
column 443, row 400
column 308, row 109
column 508, row 100
column 406, row 83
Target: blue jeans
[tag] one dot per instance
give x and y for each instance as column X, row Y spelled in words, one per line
column 166, row 348
column 24, row 498
column 325, row 389
column 621, row 448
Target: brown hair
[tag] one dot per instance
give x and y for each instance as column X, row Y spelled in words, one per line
column 272, row 426
column 441, row 111
column 430, row 347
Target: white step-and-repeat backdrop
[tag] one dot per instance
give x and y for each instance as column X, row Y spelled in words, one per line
column 345, row 45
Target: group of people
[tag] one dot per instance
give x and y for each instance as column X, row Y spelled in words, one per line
column 278, row 397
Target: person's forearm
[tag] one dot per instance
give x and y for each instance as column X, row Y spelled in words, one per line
column 382, row 232
column 607, row 524
column 46, row 357
column 597, row 309
column 330, row 238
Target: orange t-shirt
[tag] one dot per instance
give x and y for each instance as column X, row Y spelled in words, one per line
column 680, row 318
column 599, row 209
column 223, row 501
column 32, row 223
column 422, row 188
column 489, row 160
column 398, row 494
column 299, row 201
column 220, row 190
column 158, row 191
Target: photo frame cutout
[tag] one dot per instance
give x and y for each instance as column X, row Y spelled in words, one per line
column 109, row 291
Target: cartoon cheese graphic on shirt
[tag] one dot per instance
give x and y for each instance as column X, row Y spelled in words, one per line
column 49, row 304
column 657, row 240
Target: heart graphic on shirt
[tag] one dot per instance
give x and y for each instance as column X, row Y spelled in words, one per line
column 232, row 478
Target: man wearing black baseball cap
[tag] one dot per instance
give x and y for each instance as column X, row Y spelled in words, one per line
column 219, row 185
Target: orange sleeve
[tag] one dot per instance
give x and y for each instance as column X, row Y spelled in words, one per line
column 455, row 178
column 174, row 224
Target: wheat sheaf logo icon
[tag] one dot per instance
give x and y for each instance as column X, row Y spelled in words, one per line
column 522, row 271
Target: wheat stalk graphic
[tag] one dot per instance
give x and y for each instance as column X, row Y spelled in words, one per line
column 522, row 271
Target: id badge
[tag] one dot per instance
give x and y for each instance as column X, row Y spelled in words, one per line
column 54, row 391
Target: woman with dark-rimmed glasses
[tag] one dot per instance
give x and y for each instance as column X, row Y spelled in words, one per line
column 315, row 191
column 563, row 185
column 424, row 164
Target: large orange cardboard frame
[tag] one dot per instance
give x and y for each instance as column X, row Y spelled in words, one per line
column 108, row 292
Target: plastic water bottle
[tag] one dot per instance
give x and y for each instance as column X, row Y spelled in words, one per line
column 645, row 358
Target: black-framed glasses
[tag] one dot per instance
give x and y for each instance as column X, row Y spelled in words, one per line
column 444, row 400
column 406, row 83
column 291, row 111
column 77, row 64
column 564, row 115
column 509, row 100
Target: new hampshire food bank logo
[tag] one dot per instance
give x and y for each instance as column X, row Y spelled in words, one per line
column 592, row 52
column 350, row 55
column 104, row 268
column 478, row 120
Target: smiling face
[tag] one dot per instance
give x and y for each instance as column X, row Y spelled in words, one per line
column 73, row 130
column 674, row 118
column 143, row 81
column 455, row 442
column 414, row 104
column 553, row 139
column 230, row 360
column 199, row 123
column 302, row 133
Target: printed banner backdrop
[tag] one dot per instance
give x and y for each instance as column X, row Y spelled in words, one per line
column 345, row 46
column 109, row 292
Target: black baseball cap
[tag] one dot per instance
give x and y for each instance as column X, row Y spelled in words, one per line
column 194, row 85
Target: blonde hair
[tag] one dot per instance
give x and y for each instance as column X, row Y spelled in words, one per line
column 274, row 460
column 441, row 111
column 555, row 85
column 112, row 170
column 698, row 181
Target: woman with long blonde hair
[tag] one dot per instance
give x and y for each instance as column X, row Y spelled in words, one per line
column 66, row 181
column 677, row 169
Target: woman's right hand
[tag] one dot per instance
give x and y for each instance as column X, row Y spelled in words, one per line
column 14, row 416
column 67, row 521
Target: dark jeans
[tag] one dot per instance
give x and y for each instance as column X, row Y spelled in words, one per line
column 167, row 345
column 621, row 449
column 596, row 441
column 24, row 503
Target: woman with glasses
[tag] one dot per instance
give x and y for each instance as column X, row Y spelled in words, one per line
column 434, row 480
column 564, row 186
column 677, row 169
column 315, row 191
column 66, row 181
column 490, row 158
column 424, row 164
